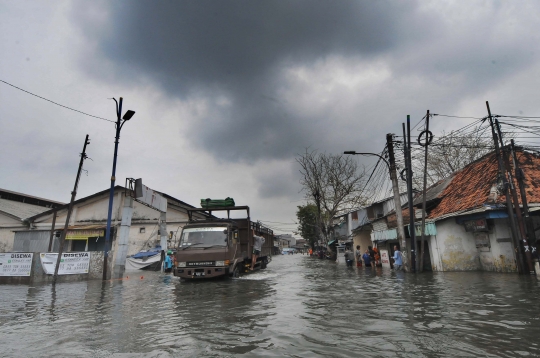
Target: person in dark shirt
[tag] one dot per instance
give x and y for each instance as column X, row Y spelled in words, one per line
column 372, row 255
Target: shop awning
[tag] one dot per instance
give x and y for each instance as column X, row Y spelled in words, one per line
column 384, row 235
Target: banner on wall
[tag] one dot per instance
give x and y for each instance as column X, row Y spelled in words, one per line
column 385, row 259
column 71, row 263
column 83, row 234
column 15, row 263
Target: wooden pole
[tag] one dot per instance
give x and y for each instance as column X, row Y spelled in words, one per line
column 70, row 210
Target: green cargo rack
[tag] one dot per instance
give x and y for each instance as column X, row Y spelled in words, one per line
column 217, row 203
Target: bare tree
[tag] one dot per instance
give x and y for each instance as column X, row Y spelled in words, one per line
column 335, row 182
column 450, row 153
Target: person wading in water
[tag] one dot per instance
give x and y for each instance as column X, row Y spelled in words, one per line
column 258, row 241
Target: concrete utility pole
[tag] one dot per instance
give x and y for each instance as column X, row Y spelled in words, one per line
column 502, row 177
column 52, row 231
column 397, row 199
column 123, row 238
column 408, row 163
column 423, row 241
column 70, row 209
column 520, row 176
column 163, row 236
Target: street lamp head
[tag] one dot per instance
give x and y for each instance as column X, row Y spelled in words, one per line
column 127, row 116
column 350, row 152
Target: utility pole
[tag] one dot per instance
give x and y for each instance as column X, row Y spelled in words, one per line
column 317, row 197
column 70, row 209
column 52, row 231
column 520, row 176
column 502, row 177
column 412, row 229
column 423, row 241
column 397, row 199
column 521, row 224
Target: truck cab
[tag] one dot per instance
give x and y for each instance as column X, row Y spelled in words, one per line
column 214, row 247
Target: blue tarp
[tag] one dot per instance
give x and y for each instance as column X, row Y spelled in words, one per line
column 141, row 255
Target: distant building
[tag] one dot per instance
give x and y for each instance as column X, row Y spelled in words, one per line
column 86, row 231
column 15, row 209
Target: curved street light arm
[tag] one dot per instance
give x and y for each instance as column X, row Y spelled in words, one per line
column 352, row 152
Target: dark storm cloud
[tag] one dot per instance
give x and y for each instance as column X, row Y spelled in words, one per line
column 237, row 50
column 234, row 58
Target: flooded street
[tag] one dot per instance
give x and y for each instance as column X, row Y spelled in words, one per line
column 299, row 307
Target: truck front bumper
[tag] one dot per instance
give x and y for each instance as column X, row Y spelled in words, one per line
column 201, row 272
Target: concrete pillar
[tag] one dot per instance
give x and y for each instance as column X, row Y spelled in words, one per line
column 123, row 238
column 163, row 231
column 349, row 226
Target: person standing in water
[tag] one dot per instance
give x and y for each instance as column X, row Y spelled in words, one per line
column 258, row 241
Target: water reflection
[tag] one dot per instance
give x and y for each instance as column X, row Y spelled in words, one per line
column 298, row 307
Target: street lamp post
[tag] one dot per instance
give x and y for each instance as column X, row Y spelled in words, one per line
column 119, row 124
column 395, row 188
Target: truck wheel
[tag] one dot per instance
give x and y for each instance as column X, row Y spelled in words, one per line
column 236, row 272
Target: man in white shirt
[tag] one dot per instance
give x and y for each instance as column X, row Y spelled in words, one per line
column 258, row 241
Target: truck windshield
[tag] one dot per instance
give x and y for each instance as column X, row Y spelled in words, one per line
column 204, row 237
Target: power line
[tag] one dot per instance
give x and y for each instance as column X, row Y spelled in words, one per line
column 446, row 115
column 58, row 104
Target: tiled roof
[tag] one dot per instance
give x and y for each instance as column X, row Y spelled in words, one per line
column 20, row 210
column 470, row 187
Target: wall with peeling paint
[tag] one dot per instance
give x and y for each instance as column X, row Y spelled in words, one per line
column 457, row 249
column 454, row 249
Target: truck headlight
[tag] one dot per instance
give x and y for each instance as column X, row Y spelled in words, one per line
column 181, row 264
column 220, row 263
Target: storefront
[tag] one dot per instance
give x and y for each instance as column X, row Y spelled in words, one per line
column 86, row 238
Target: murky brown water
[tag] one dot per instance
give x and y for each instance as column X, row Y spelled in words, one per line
column 299, row 307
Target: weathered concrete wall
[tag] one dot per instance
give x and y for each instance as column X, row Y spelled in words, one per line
column 454, row 249
column 39, row 276
column 500, row 256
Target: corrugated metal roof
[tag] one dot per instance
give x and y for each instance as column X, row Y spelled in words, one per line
column 31, row 196
column 20, row 210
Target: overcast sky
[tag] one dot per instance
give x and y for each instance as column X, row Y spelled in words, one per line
column 226, row 93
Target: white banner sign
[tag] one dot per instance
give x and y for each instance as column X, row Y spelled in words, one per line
column 15, row 264
column 149, row 197
column 385, row 259
column 71, row 263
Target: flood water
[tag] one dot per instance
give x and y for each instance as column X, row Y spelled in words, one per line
column 298, row 307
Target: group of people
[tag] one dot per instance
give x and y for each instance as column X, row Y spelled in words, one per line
column 371, row 257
